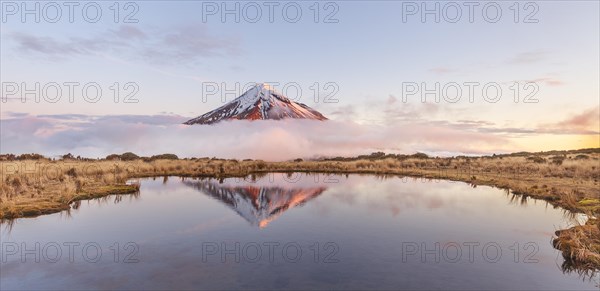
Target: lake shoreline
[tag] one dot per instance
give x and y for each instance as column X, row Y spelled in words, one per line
column 571, row 186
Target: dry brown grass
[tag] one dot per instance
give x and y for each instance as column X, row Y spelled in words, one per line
column 580, row 246
column 30, row 188
column 570, row 181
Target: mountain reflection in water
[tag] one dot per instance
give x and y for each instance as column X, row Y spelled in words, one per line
column 259, row 205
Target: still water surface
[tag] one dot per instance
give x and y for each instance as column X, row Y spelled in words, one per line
column 296, row 231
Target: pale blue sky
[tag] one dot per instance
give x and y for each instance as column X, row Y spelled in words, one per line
column 369, row 53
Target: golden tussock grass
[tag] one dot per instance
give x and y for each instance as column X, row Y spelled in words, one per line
column 568, row 179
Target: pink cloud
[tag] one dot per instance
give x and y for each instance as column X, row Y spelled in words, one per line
column 586, row 119
column 585, row 122
column 268, row 140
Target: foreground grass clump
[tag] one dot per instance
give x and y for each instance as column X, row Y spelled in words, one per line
column 49, row 204
column 580, row 245
column 32, row 185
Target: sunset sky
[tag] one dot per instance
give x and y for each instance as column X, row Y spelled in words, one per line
column 367, row 53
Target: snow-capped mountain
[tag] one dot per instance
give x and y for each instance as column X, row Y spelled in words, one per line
column 260, row 102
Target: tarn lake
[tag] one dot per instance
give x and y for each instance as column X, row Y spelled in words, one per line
column 293, row 231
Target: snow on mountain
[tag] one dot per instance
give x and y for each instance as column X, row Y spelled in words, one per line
column 258, row 205
column 260, row 102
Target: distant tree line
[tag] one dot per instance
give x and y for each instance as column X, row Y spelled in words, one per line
column 129, row 156
column 378, row 156
column 12, row 157
column 558, row 157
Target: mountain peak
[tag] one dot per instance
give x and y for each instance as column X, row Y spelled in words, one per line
column 263, row 91
column 264, row 86
column 259, row 102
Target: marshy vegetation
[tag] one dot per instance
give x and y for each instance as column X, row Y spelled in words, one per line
column 32, row 185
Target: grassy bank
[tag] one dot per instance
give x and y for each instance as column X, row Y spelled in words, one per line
column 564, row 179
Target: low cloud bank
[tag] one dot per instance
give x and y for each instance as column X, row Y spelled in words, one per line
column 98, row 136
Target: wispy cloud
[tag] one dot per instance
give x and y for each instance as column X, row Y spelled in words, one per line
column 397, row 111
column 129, row 32
column 586, row 122
column 345, row 112
column 179, row 44
column 549, row 81
column 26, row 43
column 529, row 57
